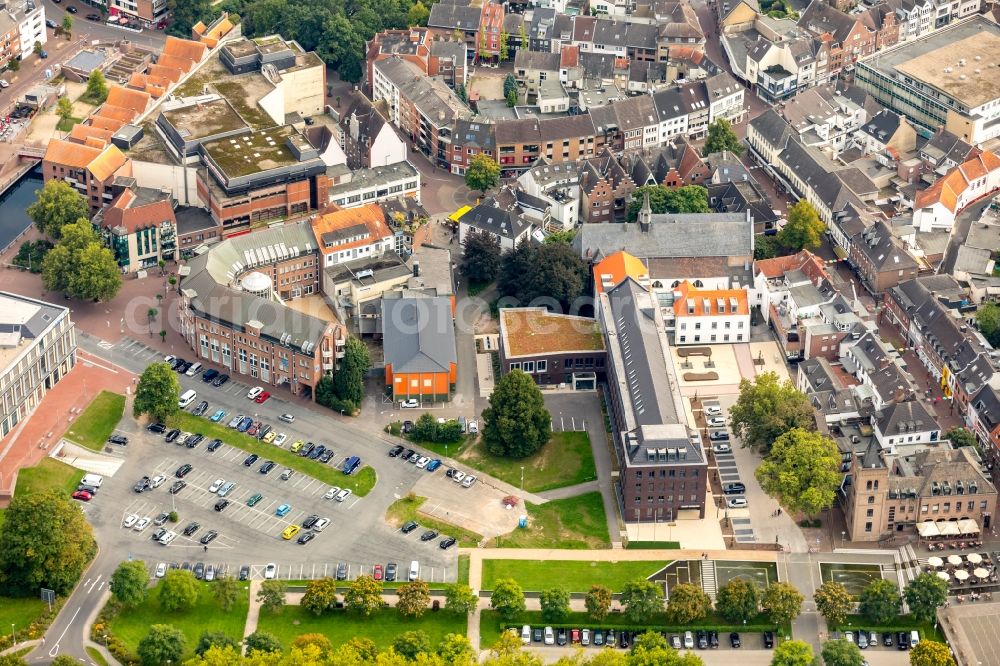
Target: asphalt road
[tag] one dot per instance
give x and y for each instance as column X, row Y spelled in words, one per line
column 90, row 30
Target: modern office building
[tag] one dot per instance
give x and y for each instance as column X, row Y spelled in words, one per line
column 37, row 349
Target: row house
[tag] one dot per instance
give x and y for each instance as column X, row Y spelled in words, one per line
column 471, row 138
column 886, row 130
column 944, row 151
column 844, row 38
column 459, row 19
column 435, row 53
column 824, row 117
column 984, row 420
column 558, row 184
column 605, row 189
column 880, row 259
column 916, row 17
column 366, row 136
column 491, row 25
column 938, row 206
column 520, row 142
column 777, row 70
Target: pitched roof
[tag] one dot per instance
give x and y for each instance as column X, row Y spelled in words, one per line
column 947, row 191
column 349, row 228
column 185, row 49
column 488, row 217
column 418, row 335
column 670, row 235
column 449, row 16
column 73, row 155
column 138, row 208
column 614, row 269
column 134, row 100
column 690, row 301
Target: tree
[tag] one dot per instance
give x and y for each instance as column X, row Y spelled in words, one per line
column 564, row 236
column 641, row 598
column 722, row 137
column 782, row 602
column 45, row 541
column 97, row 87
column 803, row 229
column 483, row 173
column 511, row 99
column 413, row 598
column 349, row 379
column 128, row 582
column 793, row 653
column 227, row 592
column 14, row 64
column 663, row 199
column 598, row 602
column 185, row 13
column 504, row 47
column 554, row 603
column 162, row 643
column 37, row 49
column 833, row 602
column 481, row 256
column 67, row 24
column 507, row 599
column 516, row 424
column 64, row 107
column 687, row 603
column 56, row 205
column 460, row 599
column 841, row 653
column 456, row 649
column 271, row 595
column 509, row 84
column 320, row 595
column 418, row 14
column 768, row 408
column 461, row 93
column 319, row 641
column 178, row 590
column 737, row 600
column 411, row 643
column 960, row 436
column 802, row 471
column 157, row 393
column 262, row 641
column 216, row 639
column 60, row 660
column 924, row 594
column 364, row 596
column 364, row 647
column 987, row 319
column 543, row 274
column 931, row 653
column 96, row 275
column 525, row 43
column 880, row 602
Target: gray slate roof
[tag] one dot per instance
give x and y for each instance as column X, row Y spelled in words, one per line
column 670, row 235
column 418, row 334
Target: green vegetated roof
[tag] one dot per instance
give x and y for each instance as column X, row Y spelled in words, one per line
column 253, row 152
column 206, row 119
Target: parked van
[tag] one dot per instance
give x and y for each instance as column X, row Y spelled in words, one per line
column 187, row 398
column 414, row 570
column 193, row 370
column 92, row 480
column 914, row 639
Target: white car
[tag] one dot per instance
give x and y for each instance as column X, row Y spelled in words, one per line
column 715, row 422
column 280, row 439
column 713, row 410
column 218, row 483
column 270, row 571
column 331, row 493
column 142, row 524
column 422, row 463
column 736, row 503
column 254, row 392
column 169, row 358
column 161, row 569
column 458, row 476
column 688, row 640
column 130, row 520
column 722, row 448
column 157, row 481
column 412, row 403
column 321, row 524
column 168, row 537
column 468, row 481
column 343, row 494
column 550, row 636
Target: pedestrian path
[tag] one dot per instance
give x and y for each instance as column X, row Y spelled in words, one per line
column 571, row 491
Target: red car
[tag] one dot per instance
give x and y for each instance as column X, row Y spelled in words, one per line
column 377, row 572
column 82, row 495
column 262, row 397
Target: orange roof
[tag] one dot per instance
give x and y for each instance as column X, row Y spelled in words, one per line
column 946, row 191
column 221, row 29
column 805, row 260
column 198, row 28
column 690, row 301
column 107, row 163
column 168, row 73
column 80, row 133
column 569, row 56
column 95, row 142
column 112, row 124
column 613, row 270
column 136, row 100
column 176, row 62
column 73, row 155
column 184, row 48
column 343, row 228
column 121, row 113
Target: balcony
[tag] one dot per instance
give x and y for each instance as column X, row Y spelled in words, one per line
column 327, row 353
column 328, row 367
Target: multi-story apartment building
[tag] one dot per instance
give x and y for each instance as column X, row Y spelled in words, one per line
column 436, row 53
column 880, row 259
column 89, row 169
column 139, row 226
column 708, row 316
column 352, row 233
column 37, row 349
column 846, row 38
column 28, row 16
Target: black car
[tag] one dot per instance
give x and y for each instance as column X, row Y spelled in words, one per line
column 177, row 487
column 407, row 426
column 903, row 640
column 406, row 455
column 768, row 639
column 172, row 435
column 713, row 639
column 201, row 408
column 446, row 543
column 220, row 380
column 341, row 571
column 72, row 10
column 719, row 436
column 536, row 634
column 268, row 466
column 264, row 429
column 209, row 537
column 451, row 472
column 118, row 439
column 183, row 367
column 735, row 488
column 199, row 570
column 390, row 572
column 327, row 456
column 158, row 428
column 887, row 639
column 624, row 639
column 310, row 521
column 221, row 504
column 183, row 471
column 209, row 375
column 193, row 440
column 561, row 637
column 176, row 363
column 142, row 485
column 186, row 566
column 244, row 572
column 395, row 451
column 90, row 489
column 317, row 452
column 734, row 640
column 429, row 535
column 408, row 527
column 158, row 534
column 214, row 445
column 306, row 538
column 94, row 17
column 251, row 459
column 307, row 449
column 702, row 640
column 191, row 528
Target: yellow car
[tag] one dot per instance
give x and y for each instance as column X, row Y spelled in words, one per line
column 297, row 445
column 269, row 437
column 290, row 532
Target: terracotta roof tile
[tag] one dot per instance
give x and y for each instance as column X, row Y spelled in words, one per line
column 136, row 100
column 613, row 270
column 371, row 216
column 68, row 154
column 126, row 212
column 112, row 124
column 121, row 113
column 80, row 133
column 184, row 48
column 107, row 163
column 706, row 302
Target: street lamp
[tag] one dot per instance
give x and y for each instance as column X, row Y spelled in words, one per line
column 843, row 538
column 522, row 477
column 13, row 636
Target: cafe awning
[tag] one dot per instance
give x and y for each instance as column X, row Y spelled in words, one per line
column 968, row 526
column 948, row 528
column 928, row 529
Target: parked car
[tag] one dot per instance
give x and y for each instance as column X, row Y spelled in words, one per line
column 235, row 421
column 268, row 466
column 215, row 485
column 209, row 537
column 191, row 528
column 201, row 408
column 158, row 428
column 283, row 510
column 250, row 459
column 199, row 570
column 214, row 445
column 209, row 375
column 433, row 465
column 411, row 403
column 447, row 543
column 722, row 448
column 161, row 569
column 121, row 440
column 280, row 439
column 734, row 640
column 217, row 416
column 177, row 487
column 769, row 639
column 287, row 418
column 716, row 422
column 468, row 481
column 719, row 436
column 429, row 535
column 172, row 435
column 306, row 538
column 262, row 398
column 390, row 572
column 289, row 532
column 408, row 527
column 254, row 392
column 161, row 519
column 341, row 571
column 343, row 494
column 254, row 499
column 737, row 503
column 221, row 504
column 734, row 488
column 244, row 572
column 142, row 485
column 220, row 380
column 270, row 571
column 130, row 520
column 82, row 495
column 157, row 481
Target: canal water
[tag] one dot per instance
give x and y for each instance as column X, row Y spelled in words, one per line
column 13, row 218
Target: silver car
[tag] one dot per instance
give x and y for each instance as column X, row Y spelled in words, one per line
column 226, row 489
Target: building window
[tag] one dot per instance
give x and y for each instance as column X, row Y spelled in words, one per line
column 868, row 527
column 542, row 366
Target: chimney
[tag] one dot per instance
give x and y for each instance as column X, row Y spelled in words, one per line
column 416, row 269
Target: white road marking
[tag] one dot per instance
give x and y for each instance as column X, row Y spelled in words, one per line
column 55, row 648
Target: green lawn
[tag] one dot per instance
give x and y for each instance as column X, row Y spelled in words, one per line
column 48, row 474
column 578, row 523
column 575, row 576
column 340, row 626
column 93, row 427
column 96, row 656
column 361, row 482
column 903, row 623
column 463, row 568
column 565, row 461
column 406, row 509
column 66, row 124
column 19, row 611
column 133, row 623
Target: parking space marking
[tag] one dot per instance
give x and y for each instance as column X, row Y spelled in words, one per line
column 309, row 485
column 356, row 500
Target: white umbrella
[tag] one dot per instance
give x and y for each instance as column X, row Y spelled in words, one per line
column 935, row 561
column 961, row 574
column 981, row 573
column 974, row 558
column 954, row 560
column 943, row 575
